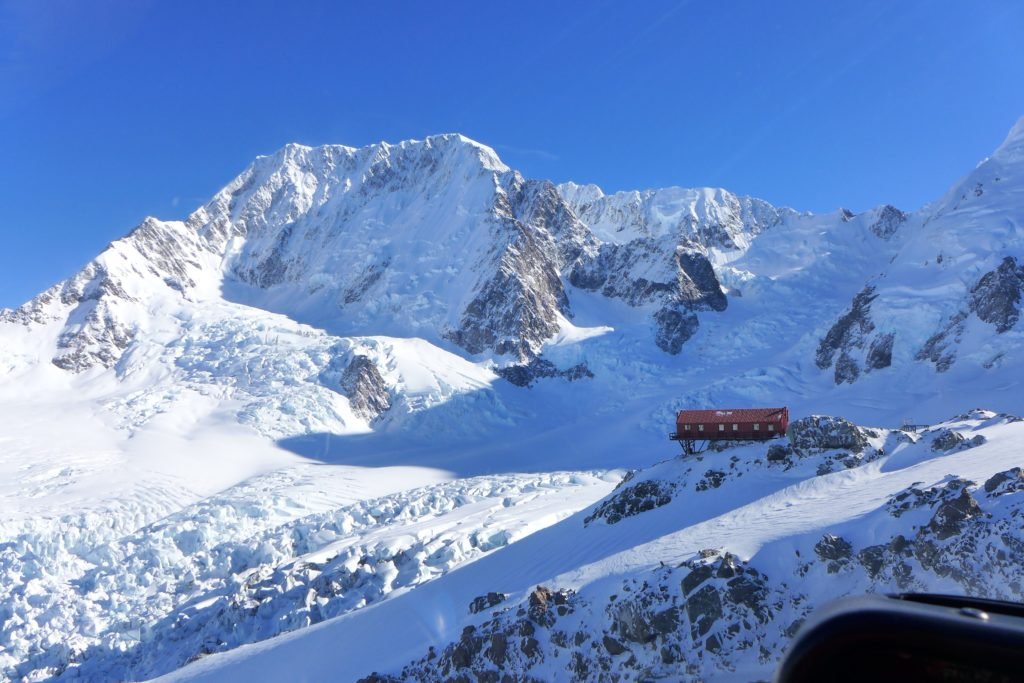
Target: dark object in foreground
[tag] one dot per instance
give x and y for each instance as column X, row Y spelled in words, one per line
column 909, row 637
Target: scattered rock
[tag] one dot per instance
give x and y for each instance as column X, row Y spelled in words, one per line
column 1008, row 481
column 484, row 602
column 952, row 513
column 632, row 500
column 712, row 480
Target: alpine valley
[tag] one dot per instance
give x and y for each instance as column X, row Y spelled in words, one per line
column 400, row 413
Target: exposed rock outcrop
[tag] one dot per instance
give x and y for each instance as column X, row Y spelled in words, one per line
column 994, row 299
column 821, row 432
column 526, row 374
column 846, row 339
column 366, row 389
column 632, row 500
column 888, row 222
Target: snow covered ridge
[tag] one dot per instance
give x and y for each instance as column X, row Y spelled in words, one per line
column 438, row 239
column 695, row 613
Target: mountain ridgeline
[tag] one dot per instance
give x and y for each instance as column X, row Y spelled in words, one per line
column 438, row 239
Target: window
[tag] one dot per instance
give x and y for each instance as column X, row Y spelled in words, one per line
column 771, row 428
column 735, row 428
column 700, row 428
column 757, row 427
column 721, row 428
column 686, row 428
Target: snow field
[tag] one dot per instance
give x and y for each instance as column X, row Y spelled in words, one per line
column 248, row 564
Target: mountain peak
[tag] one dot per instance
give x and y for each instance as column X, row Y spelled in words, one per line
column 458, row 146
column 1013, row 145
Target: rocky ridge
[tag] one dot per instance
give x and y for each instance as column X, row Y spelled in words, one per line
column 715, row 612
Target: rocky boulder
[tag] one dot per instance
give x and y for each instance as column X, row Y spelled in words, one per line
column 632, row 500
column 1008, row 481
column 824, row 432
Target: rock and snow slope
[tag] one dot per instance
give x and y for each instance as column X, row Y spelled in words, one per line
column 697, row 568
column 357, row 382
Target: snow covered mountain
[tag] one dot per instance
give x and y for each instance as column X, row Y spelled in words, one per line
column 404, row 379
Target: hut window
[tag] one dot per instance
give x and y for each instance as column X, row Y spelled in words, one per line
column 735, row 428
column 686, row 428
column 721, row 428
column 700, row 428
column 771, row 428
column 757, row 427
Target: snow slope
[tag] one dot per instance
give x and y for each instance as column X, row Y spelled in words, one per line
column 399, row 378
column 769, row 517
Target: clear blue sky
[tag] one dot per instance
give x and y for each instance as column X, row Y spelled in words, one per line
column 111, row 111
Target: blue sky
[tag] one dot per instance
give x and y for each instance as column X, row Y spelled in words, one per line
column 111, row 111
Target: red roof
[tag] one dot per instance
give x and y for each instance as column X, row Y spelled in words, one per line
column 731, row 415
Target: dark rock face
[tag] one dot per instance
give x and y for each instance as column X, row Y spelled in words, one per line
column 485, row 602
column 690, row 277
column 95, row 333
column 889, row 220
column 847, row 369
column 712, row 479
column 609, row 272
column 525, row 374
column 697, row 285
column 99, row 340
column 371, row 275
column 948, row 440
column 848, row 337
column 516, row 309
column 996, row 296
column 632, row 500
column 98, row 328
column 848, row 330
column 940, row 348
column 833, row 548
column 914, row 498
column 952, row 512
column 674, row 328
column 822, row 432
column 367, row 392
column 689, row 285
column 880, row 352
column 1009, row 481
column 835, row 551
